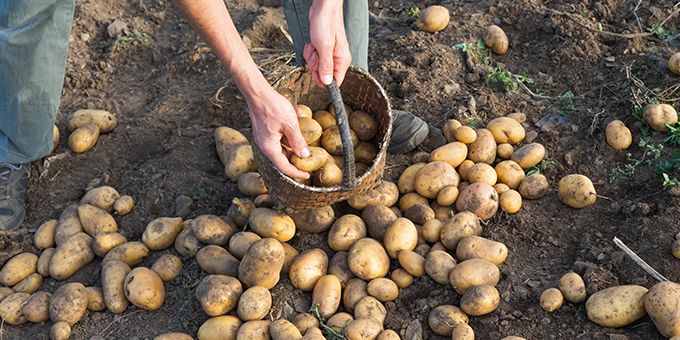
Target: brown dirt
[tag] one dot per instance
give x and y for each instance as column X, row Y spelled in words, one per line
column 160, row 81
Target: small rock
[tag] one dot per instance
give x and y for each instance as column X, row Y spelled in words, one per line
column 183, row 205
column 674, row 191
column 533, row 283
column 531, row 136
column 471, row 78
column 414, row 331
column 617, row 337
column 505, row 322
column 288, row 310
column 580, row 267
column 117, row 28
column 452, row 89
column 496, row 21
column 472, row 106
column 506, row 296
column 643, row 209
column 617, row 257
column 517, row 314
column 601, row 257
column 93, row 184
column 156, row 177
column 640, row 281
column 85, row 37
column 521, row 292
column 488, row 320
column 545, row 321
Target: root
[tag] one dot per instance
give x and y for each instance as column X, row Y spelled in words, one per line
column 640, row 262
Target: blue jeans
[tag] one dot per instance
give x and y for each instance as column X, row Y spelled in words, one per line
column 33, row 47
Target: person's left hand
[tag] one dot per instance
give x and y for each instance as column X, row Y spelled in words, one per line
column 327, row 54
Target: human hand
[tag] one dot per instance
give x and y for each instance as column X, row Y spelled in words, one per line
column 327, row 54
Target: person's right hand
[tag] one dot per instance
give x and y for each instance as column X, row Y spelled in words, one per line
column 273, row 117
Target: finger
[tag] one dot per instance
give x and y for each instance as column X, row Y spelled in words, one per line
column 307, row 52
column 314, row 65
column 325, row 51
column 342, row 60
column 282, row 164
column 295, row 140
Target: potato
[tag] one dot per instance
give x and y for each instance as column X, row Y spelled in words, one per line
column 378, row 218
column 464, row 169
column 534, row 186
column 433, row 177
column 364, row 125
column 124, row 205
column 315, row 220
column 240, row 210
column 509, row 173
column 452, row 153
column 43, row 237
column 102, row 197
column 262, row 201
column 576, row 191
column 443, row 318
column 68, row 303
column 327, row 295
column 69, row 224
column 419, row 214
column 473, row 272
column 339, row 266
column 11, row 308
column 129, row 252
column 573, row 288
column 618, row 135
column 480, row 199
column 186, row 243
column 216, row 260
column 283, row 329
column 307, row 268
column 261, row 266
column 43, row 265
column 412, row 262
column 18, row 268
column 316, row 334
column 386, row 193
column 675, row 249
column 465, row 134
column 113, row 285
column 105, row 241
column 501, row 188
column 483, row 149
column 475, row 247
column 551, row 300
column 447, row 196
column 383, row 289
column 303, row 111
column 104, row 120
column 406, row 182
column 402, row 278
column 36, row 307
column 661, row 304
column 95, row 220
column 240, row 242
column 234, row 152
column 173, row 336
column 449, row 129
column 161, row 232
column 480, row 300
column 504, row 151
column 168, row 267
column 433, row 19
column 56, row 136
column 674, row 65
column 438, row 265
column 396, row 211
column 95, row 299
column 144, row 288
column 218, row 294
column 60, row 331
column 617, row 306
column 506, row 130
column 325, row 119
column 83, row 138
column 529, row 155
column 317, row 158
column 370, row 308
column 330, row 140
column 368, row 259
column 462, row 331
column 339, row 321
column 223, row 327
column 660, row 115
column 401, row 235
column 211, row 229
column 290, row 254
column 5, row 292
column 328, row 176
column 461, row 225
column 255, row 330
column 496, row 40
column 69, row 257
column 310, row 129
column 271, row 223
column 251, row 184
column 365, row 152
column 29, row 285
column 510, row 201
column 482, row 172
column 411, row 199
column 305, row 321
column 254, row 304
column 355, row 290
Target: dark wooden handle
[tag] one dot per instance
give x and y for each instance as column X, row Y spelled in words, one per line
column 349, row 172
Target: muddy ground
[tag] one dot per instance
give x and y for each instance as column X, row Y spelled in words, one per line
column 161, row 81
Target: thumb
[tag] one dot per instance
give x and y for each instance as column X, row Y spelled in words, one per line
column 296, row 141
column 325, row 69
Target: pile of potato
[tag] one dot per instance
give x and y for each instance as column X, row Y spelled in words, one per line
column 85, row 127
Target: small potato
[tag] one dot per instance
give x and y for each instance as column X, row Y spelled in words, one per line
column 573, row 288
column 576, row 191
column 316, row 334
column 413, row 263
column 186, row 243
column 435, row 176
column 339, row 321
column 303, row 111
column 464, row 169
column 18, row 268
column 329, row 175
column 401, row 235
column 68, row 303
column 465, row 134
column 325, row 119
column 473, row 272
column 449, row 129
column 37, row 307
column 339, row 266
column 317, row 158
column 104, row 120
column 314, row 221
column 11, row 308
column 69, row 257
column 305, row 321
column 386, row 193
column 419, row 214
column 43, row 266
column 363, row 329
column 218, row 294
column 283, row 330
column 476, row 247
column 674, row 66
column 83, row 138
column 660, row 115
column 388, row 334
column 411, row 199
column 506, row 130
column 432, row 19
column 406, row 182
column 254, row 303
column 60, row 331
column 370, row 308
column 618, row 135
column 168, row 267
column 675, row 249
column 95, row 299
column 443, row 318
column 144, row 288
column 263, row 201
column 240, row 242
column 483, row 149
column 461, row 225
column 124, row 205
column 482, row 172
column 501, row 188
column 518, row 116
column 661, row 304
column 504, row 151
column 383, row 289
column 480, row 199
column 529, row 155
column 452, row 153
column 238, row 161
column 131, row 253
column 251, row 184
column 311, row 130
column 438, row 266
column 365, row 152
column 56, row 136
column 261, row 266
column 355, row 290
column 290, row 254
column 462, row 331
column 113, row 285
column 510, row 173
column 29, row 285
column 211, row 229
column 307, row 268
column 447, row 196
column 327, row 294
column 43, row 238
column 69, row 224
column 421, row 157
column 223, row 327
column 240, row 210
column 617, row 306
column 173, row 336
column 5, row 292
column 103, row 197
column 216, row 260
column 95, row 220
column 161, row 232
column 534, row 186
column 331, row 141
column 255, row 330
column 551, row 300
column 432, row 230
column 510, row 201
column 378, row 218
column 402, row 278
column 364, row 125
column 345, row 232
column 496, row 40
column 480, row 300
column 368, row 259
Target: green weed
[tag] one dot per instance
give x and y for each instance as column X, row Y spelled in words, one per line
column 660, row 32
column 673, row 137
column 473, row 122
column 413, row 14
column 330, row 332
column 669, row 182
column 126, row 40
column 544, row 164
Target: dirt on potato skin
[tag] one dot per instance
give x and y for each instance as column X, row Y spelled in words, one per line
column 160, row 80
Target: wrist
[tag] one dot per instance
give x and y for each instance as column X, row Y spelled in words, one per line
column 251, row 83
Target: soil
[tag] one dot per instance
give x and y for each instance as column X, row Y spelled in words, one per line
column 162, row 82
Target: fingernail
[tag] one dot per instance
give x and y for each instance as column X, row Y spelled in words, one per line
column 305, row 153
column 327, row 79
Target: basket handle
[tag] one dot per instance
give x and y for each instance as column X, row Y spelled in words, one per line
column 349, row 171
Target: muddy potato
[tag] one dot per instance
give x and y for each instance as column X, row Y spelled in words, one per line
column 464, row 169
column 617, row 306
column 461, row 225
column 365, row 152
column 573, row 288
column 240, row 242
column 43, row 238
column 304, row 322
column 465, row 135
column 328, row 176
column 36, row 309
column 660, row 115
column 218, row 294
column 339, row 321
column 504, row 151
column 255, row 330
column 345, row 232
column 161, row 232
column 378, row 218
column 529, row 155
column 263, row 201
column 315, row 220
column 113, row 285
column 330, row 140
column 131, row 253
column 18, row 268
column 421, row 157
column 11, row 308
column 402, row 278
column 364, row 125
column 251, row 184
column 355, row 290
column 443, row 318
column 476, row 247
column 368, row 259
column 316, row 334
column 675, row 249
column 473, row 272
column 386, row 193
column 83, row 138
column 43, row 266
column 124, row 205
column 325, row 119
column 339, row 266
column 216, row 260
column 186, row 243
column 240, row 210
column 506, row 130
column 412, row 262
column 618, row 135
column 510, row 201
column 283, row 330
column 480, row 300
column 173, row 336
column 496, row 39
column 501, row 188
column 576, row 191
column 447, row 196
column 290, row 254
column 411, row 199
column 483, row 149
column 60, row 331
column 68, row 303
column 307, row 268
column 95, row 299
column 69, row 257
column 449, row 129
column 509, row 173
column 102, row 197
column 433, row 19
column 30, row 284
column 254, row 303
column 551, row 300
column 396, row 211
column 419, row 214
column 303, row 111
column 406, row 182
column 383, row 289
column 261, row 266
column 452, row 153
column 370, row 308
column 674, row 64
column 211, row 229
column 534, row 186
column 433, row 177
column 144, row 288
column 327, row 294
column 363, row 329
column 104, row 120
column 462, row 331
column 271, row 223
column 401, row 235
column 95, row 220
column 168, row 267
column 480, row 199
column 438, row 266
column 222, row 327
column 388, row 334
column 69, row 224
column 317, row 158
column 661, row 303
column 482, row 172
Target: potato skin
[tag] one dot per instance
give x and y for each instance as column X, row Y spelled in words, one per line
column 43, row 238
column 355, row 290
column 617, row 306
column 95, row 220
column 368, row 259
column 84, row 138
column 168, row 267
column 383, row 289
column 144, row 288
column 186, row 243
column 365, row 152
column 433, row 19
column 573, row 288
column 161, row 232
column 476, row 247
column 69, row 257
column 345, row 232
column 261, row 266
column 69, row 224
column 406, row 182
column 473, row 272
column 534, row 186
column 104, row 120
column 438, row 266
column 254, row 303
column 433, row 177
column 212, row 229
column 483, row 149
column 255, row 330
column 576, row 191
column 452, row 153
column 113, row 285
column 412, row 262
column 325, row 119
column 386, row 193
column 465, row 134
column 480, row 199
column 674, row 66
column 60, row 331
column 251, row 184
column 224, row 327
column 270, row 223
column 216, row 260
column 443, row 318
column 551, row 300
column 496, row 39
column 68, row 303
column 529, row 155
column 30, row 284
column 661, row 304
column 370, row 308
column 401, row 235
column 506, row 130
column 510, row 201
column 102, row 197
column 363, row 329
column 480, row 300
column 307, row 268
column 363, row 124
column 327, row 294
column 95, row 299
column 43, row 266
column 339, row 266
column 378, row 218
column 11, row 308
column 482, row 172
column 317, row 159
column 124, row 205
column 449, row 129
column 283, row 329
column 240, row 209
column 461, row 225
column 314, row 220
column 330, row 140
column 504, row 151
column 659, row 115
column 104, row 242
column 618, row 135
column 131, row 253
column 402, row 278
column 218, row 294
column 37, row 307
column 510, row 173
column 18, row 268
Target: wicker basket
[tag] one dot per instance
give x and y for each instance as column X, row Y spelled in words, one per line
column 361, row 92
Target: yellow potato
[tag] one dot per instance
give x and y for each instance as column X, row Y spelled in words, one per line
column 661, row 303
column 255, row 330
column 102, row 197
column 388, row 334
column 95, row 220
column 43, row 237
column 30, row 284
column 461, row 225
column 43, row 266
column 660, row 115
column 435, row 176
column 464, row 169
column 529, row 155
column 161, row 232
column 473, row 272
column 504, row 151
column 131, row 253
column 551, row 300
column 124, row 205
column 18, row 268
column 5, row 292
column 218, row 294
column 506, row 130
column 168, row 267
column 317, row 158
column 576, row 191
column 283, row 329
column 254, row 304
column 501, row 188
column 251, row 184
column 443, row 318
column 402, row 278
column 339, row 266
column 307, row 268
column 462, row 331
column 339, row 321
column 432, row 230
column 345, row 232
column 401, row 235
column 68, row 303
column 411, row 199
column 56, row 136
column 69, row 257
column 355, row 290
column 261, row 266
column 406, row 182
column 60, row 331
column 173, row 336
column 310, row 129
column 480, row 199
column 305, row 321
column 104, row 120
column 674, row 65
column 617, row 306
column 365, row 152
column 303, row 111
column 534, row 186
column 447, row 196
column 518, row 116
column 69, row 224
column 331, row 141
column 386, row 193
column 368, row 259
column 95, row 299
column 496, row 39
column 37, row 307
column 482, row 172
column 11, row 308
column 290, row 254
column 83, row 138
column 240, row 242
column 234, row 152
column 378, row 218
column 363, row 329
column 327, row 295
column 370, row 308
column 211, row 229
column 452, row 153
column 433, row 19
column 144, row 288
column 223, row 327
column 419, row 214
column 510, row 201
column 329, row 175
column 675, row 249
column 483, row 149
column 449, row 129
column 480, row 300
column 240, row 211
column 438, row 265
column 364, row 125
column 618, row 135
column 186, row 243
column 325, row 119
column 465, row 134
column 270, row 223
column 510, row 173
column 573, row 288
column 476, row 247
column 383, row 289
column 113, row 285
column 105, row 241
